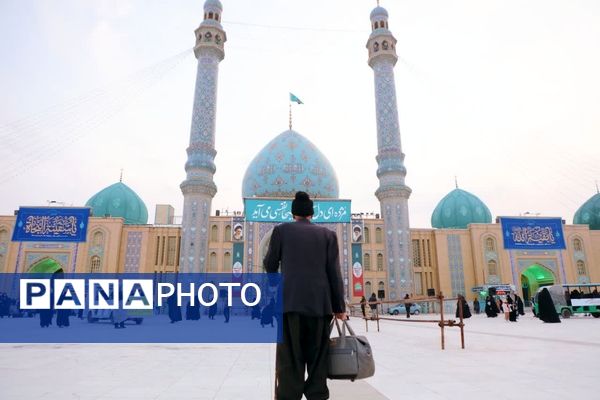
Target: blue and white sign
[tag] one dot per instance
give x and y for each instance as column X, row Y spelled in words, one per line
column 48, row 224
column 273, row 210
column 533, row 233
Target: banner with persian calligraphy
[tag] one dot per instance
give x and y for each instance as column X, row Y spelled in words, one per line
column 274, row 210
column 533, row 233
column 48, row 224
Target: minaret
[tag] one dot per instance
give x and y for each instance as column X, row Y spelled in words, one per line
column 199, row 188
column 392, row 193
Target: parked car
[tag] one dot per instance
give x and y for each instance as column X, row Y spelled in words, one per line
column 415, row 309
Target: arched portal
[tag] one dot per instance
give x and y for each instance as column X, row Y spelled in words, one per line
column 534, row 277
column 46, row 266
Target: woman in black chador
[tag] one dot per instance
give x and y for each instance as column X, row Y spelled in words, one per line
column 192, row 312
column 491, row 309
column 45, row 318
column 267, row 314
column 62, row 318
column 465, row 307
column 174, row 309
column 512, row 316
column 519, row 302
column 546, row 311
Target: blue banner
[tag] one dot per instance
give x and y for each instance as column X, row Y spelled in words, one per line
column 273, row 210
column 47, row 224
column 533, row 233
column 142, row 308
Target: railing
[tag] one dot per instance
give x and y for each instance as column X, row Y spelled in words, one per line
column 442, row 323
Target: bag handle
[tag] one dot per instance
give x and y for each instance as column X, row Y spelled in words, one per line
column 341, row 332
column 346, row 324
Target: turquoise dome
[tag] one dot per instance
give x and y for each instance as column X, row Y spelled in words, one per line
column 287, row 164
column 119, row 200
column 458, row 209
column 589, row 213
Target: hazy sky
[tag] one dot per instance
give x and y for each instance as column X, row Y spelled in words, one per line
column 503, row 94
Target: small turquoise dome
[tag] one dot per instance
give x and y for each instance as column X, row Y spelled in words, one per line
column 458, row 209
column 379, row 12
column 589, row 213
column 287, row 164
column 119, row 200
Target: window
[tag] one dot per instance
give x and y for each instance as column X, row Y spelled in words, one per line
column 97, row 239
column 490, row 244
column 157, row 249
column 227, row 267
column 217, row 16
column 378, row 235
column 227, row 234
column 576, row 245
column 367, row 235
column 212, row 266
column 381, row 286
column 171, row 250
column 214, row 233
column 379, row 262
column 368, row 290
column 416, row 253
column 492, row 267
column 376, row 25
column 3, row 236
column 367, row 261
column 210, row 15
column 95, row 264
column 580, row 267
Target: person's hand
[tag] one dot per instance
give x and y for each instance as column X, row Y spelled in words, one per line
column 341, row 315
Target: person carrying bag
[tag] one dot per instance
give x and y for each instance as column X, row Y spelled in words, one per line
column 350, row 356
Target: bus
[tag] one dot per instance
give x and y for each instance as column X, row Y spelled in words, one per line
column 569, row 299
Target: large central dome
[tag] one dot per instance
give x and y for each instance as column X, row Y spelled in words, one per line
column 287, row 164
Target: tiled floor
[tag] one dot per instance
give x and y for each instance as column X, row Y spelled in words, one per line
column 527, row 359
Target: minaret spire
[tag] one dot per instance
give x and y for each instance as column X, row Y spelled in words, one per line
column 392, row 193
column 199, row 187
column 597, row 189
column 455, row 181
column 121, row 176
column 290, row 115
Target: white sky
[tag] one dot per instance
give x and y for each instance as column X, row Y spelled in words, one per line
column 504, row 94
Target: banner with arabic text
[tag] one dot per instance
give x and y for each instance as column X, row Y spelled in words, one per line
column 357, row 271
column 50, row 224
column 532, row 233
column 274, row 210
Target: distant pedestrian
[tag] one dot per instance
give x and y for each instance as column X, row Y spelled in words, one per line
column 267, row 314
column 62, row 318
column 212, row 311
column 363, row 306
column 490, row 307
column 465, row 307
column 46, row 318
column 506, row 310
column 476, row 306
column 174, row 309
column 512, row 317
column 546, row 310
column 226, row 311
column 407, row 305
column 373, row 305
column 519, row 303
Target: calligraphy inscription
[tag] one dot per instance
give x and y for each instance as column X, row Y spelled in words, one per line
column 44, row 225
column 533, row 235
column 281, row 212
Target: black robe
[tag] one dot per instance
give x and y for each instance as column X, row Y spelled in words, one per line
column 174, row 309
column 546, row 310
column 212, row 311
column 466, row 310
column 520, row 308
column 491, row 309
column 45, row 318
column 256, row 312
column 512, row 316
column 62, row 318
column 192, row 312
column 267, row 314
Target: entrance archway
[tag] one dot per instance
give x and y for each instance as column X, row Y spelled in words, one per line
column 534, row 277
column 46, row 266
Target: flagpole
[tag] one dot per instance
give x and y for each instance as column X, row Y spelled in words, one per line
column 290, row 103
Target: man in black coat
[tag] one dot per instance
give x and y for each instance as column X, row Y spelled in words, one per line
column 312, row 293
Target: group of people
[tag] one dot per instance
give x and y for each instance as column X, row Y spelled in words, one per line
column 511, row 308
column 5, row 303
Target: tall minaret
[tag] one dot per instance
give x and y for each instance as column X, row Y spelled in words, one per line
column 392, row 193
column 199, row 188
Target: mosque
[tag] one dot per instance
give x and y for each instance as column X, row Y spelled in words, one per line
column 464, row 251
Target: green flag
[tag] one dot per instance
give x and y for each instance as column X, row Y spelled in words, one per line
column 295, row 99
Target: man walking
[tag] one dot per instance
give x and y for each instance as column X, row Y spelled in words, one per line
column 312, row 293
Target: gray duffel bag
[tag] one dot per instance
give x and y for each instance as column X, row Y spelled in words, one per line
column 350, row 356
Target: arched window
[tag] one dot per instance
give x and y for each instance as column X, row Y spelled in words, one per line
column 3, row 235
column 217, row 16
column 210, row 15
column 368, row 290
column 227, row 267
column 367, row 235
column 378, row 235
column 490, row 244
column 227, row 234
column 376, row 25
column 492, row 267
column 580, row 267
column 95, row 264
column 381, row 286
column 367, row 262
column 379, row 262
column 576, row 245
column 212, row 267
column 214, row 233
column 98, row 239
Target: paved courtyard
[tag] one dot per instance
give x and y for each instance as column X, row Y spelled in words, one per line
column 527, row 359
